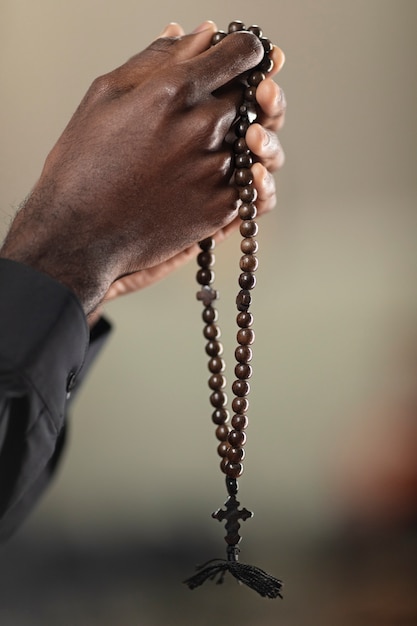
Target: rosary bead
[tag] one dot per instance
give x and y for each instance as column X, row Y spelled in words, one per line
column 239, row 422
column 222, row 432
column 256, row 30
column 247, row 211
column 247, row 280
column 214, row 348
column 242, row 127
column 241, row 388
column 211, row 331
column 218, row 399
column 244, row 319
column 234, row 470
column 266, row 64
column 243, row 354
column 240, row 146
column 223, row 448
column 220, row 416
column 205, row 259
column 248, row 228
column 235, row 455
column 205, row 276
column 236, row 26
column 216, row 365
column 243, row 371
column 267, row 44
column 247, row 194
column 249, row 246
column 255, row 78
column 223, row 464
column 217, row 37
column 250, row 93
column 245, row 336
column 240, row 405
column 243, row 160
column 209, row 315
column 206, row 244
column 217, row 381
column 244, row 177
column 248, row 263
column 243, row 300
column 236, row 438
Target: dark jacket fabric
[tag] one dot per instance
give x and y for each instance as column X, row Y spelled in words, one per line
column 45, row 350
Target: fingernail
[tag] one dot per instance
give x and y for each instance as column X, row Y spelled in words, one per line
column 207, row 25
column 167, row 29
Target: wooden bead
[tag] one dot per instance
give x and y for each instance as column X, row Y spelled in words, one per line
column 243, row 353
column 248, row 194
column 205, row 276
column 235, row 455
column 217, row 37
column 266, row 65
column 267, row 44
column 255, row 78
column 249, row 228
column 241, row 127
column 236, row 26
column 223, row 464
column 217, row 381
column 243, row 300
column 243, row 371
column 239, row 422
column 214, row 348
column 211, row 331
column 248, row 263
column 245, row 336
column 234, row 470
column 244, row 319
column 240, row 146
column 222, row 432
column 220, row 416
column 249, row 246
column 247, row 280
column 216, row 365
column 218, row 399
column 223, row 448
column 205, row 259
column 243, row 177
column 236, row 438
column 209, row 315
column 256, row 30
column 241, row 388
column 206, row 244
column 250, row 93
column 247, row 211
column 240, row 405
column 243, row 160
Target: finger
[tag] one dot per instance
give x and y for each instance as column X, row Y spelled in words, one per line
column 234, row 55
column 278, row 57
column 172, row 30
column 264, row 184
column 182, row 47
column 272, row 104
column 266, row 146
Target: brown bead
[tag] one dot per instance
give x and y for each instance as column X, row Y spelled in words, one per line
column 249, row 246
column 236, row 26
column 222, row 432
column 247, row 194
column 235, row 455
column 240, row 405
column 240, row 422
column 205, row 259
column 244, row 319
column 205, row 276
column 245, row 336
column 214, row 348
column 240, row 146
column 247, row 280
column 249, row 228
column 206, row 244
column 236, row 438
column 255, row 78
column 234, row 470
column 220, row 416
column 266, row 65
column 256, row 30
column 242, row 127
column 223, row 448
column 211, row 331
column 217, row 37
column 243, row 300
column 248, row 263
column 209, row 315
column 243, row 354
column 217, row 381
column 218, row 399
column 243, row 371
column 216, row 365
column 240, row 388
column 267, row 44
column 223, row 464
column 250, row 93
column 247, row 211
column 243, row 160
column 243, row 177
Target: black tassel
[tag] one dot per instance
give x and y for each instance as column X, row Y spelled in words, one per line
column 266, row 585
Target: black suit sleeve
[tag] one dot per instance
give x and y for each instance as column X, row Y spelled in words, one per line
column 44, row 343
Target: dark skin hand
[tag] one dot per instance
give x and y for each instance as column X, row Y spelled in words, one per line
column 142, row 170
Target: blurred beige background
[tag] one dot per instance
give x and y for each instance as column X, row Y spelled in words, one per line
column 333, row 402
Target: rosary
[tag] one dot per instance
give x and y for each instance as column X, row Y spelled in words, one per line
column 232, row 437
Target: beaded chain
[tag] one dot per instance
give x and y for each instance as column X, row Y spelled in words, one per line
column 232, row 436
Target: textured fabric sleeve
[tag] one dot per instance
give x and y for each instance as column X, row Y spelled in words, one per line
column 44, row 339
